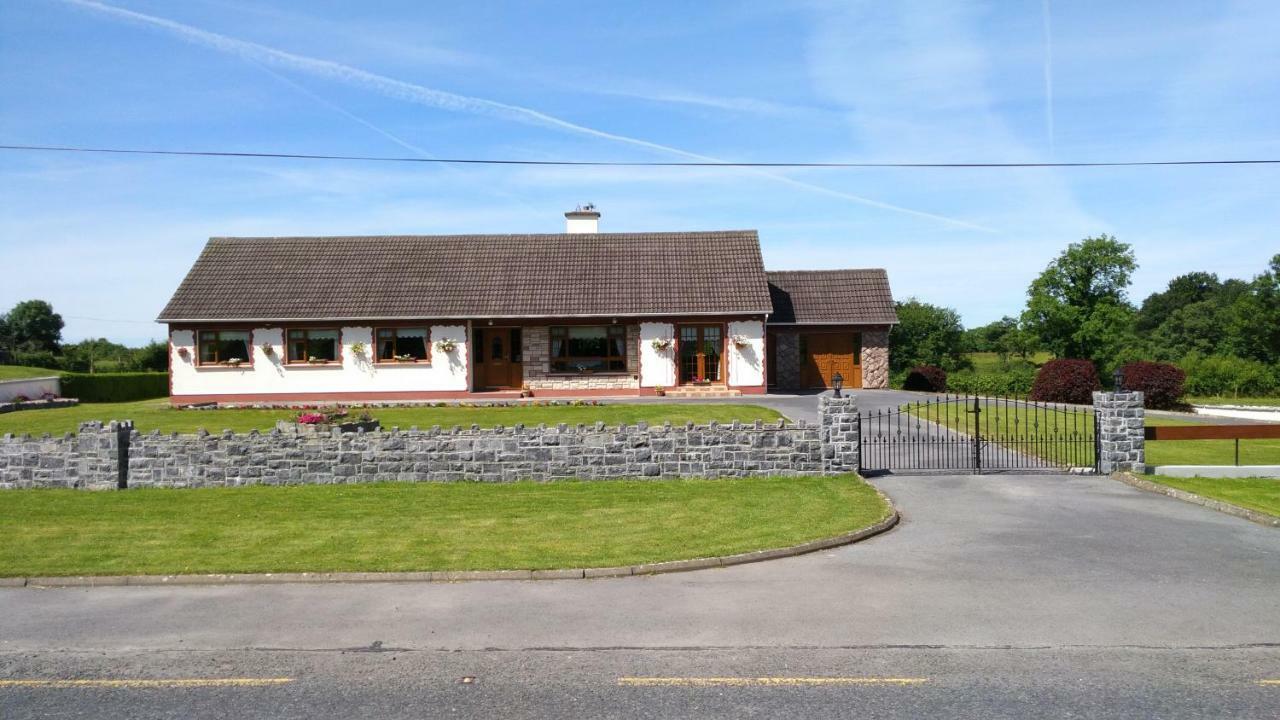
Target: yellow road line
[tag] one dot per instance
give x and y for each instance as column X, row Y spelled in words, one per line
column 161, row 683
column 763, row 681
column 1269, row 682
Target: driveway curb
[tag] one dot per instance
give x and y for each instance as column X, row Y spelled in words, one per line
column 463, row 575
column 1183, row 495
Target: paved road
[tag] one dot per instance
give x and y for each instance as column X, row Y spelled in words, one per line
column 1005, row 594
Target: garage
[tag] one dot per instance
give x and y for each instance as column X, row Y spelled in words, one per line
column 823, row 354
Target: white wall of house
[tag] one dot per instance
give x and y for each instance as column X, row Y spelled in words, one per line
column 355, row 373
column 746, row 363
column 657, row 367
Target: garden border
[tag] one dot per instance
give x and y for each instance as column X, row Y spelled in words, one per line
column 1189, row 497
column 669, row 566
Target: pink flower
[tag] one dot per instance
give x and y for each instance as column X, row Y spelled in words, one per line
column 311, row 418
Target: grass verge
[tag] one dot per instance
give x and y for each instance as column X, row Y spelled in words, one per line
column 150, row 415
column 1260, row 494
column 426, row 526
column 20, row 372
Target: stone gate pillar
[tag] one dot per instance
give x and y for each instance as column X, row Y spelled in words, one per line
column 1120, row 421
column 838, row 418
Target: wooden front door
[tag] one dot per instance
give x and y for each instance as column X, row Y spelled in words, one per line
column 498, row 358
column 701, row 354
column 822, row 355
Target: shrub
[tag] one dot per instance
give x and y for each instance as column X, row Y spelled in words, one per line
column 1228, row 376
column 115, row 387
column 1015, row 381
column 1161, row 383
column 36, row 358
column 926, row 378
column 1066, row 381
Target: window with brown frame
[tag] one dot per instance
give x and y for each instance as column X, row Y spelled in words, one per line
column 223, row 347
column 587, row 349
column 403, row 345
column 312, row 346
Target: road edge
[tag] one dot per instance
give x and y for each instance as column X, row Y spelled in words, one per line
column 464, row 575
column 1190, row 497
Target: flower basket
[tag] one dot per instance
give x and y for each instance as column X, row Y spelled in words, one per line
column 357, row 348
column 740, row 341
column 661, row 344
column 313, row 360
column 268, row 348
column 447, row 346
column 232, row 362
column 406, row 359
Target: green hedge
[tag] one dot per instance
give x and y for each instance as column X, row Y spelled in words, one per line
column 1009, row 382
column 1227, row 376
column 115, row 387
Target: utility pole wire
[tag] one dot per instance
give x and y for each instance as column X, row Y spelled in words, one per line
column 612, row 163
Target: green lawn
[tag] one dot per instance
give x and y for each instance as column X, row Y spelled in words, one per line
column 18, row 372
column 1261, row 494
column 1017, row 427
column 150, row 415
column 1224, row 400
column 425, row 526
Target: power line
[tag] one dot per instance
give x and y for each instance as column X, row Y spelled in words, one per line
column 611, row 163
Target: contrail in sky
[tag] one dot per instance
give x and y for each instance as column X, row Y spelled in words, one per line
column 1048, row 76
column 454, row 102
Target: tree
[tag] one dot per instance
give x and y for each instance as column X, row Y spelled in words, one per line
column 87, row 355
column 35, row 326
column 926, row 335
column 1253, row 324
column 1182, row 291
column 152, row 356
column 1078, row 307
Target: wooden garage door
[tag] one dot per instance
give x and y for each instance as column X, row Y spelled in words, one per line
column 825, row 354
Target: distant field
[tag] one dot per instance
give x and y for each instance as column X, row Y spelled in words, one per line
column 19, row 372
column 990, row 362
column 1222, row 400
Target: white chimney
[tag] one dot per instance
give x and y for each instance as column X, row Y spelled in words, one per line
column 583, row 219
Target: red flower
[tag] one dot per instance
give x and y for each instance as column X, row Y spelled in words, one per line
column 311, row 418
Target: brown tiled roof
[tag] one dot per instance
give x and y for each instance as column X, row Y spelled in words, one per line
column 463, row 276
column 831, row 297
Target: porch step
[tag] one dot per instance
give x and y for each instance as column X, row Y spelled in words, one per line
column 703, row 391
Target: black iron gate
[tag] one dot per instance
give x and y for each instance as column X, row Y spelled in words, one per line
column 979, row 434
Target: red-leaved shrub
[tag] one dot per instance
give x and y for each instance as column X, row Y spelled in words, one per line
column 1066, row 381
column 1161, row 383
column 926, row 378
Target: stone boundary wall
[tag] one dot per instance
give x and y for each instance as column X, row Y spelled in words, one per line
column 1121, row 439
column 500, row 454
column 88, row 460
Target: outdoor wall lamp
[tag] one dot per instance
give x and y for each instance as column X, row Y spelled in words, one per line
column 837, row 382
column 1117, row 380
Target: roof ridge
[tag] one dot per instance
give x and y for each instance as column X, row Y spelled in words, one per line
column 661, row 233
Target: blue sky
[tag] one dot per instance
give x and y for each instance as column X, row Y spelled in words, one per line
column 107, row 238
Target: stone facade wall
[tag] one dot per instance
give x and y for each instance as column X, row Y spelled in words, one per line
column 88, row 460
column 307, row 456
column 536, row 348
column 1121, row 442
column 786, row 358
column 875, row 358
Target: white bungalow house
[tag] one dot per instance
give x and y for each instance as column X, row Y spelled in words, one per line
column 583, row 313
